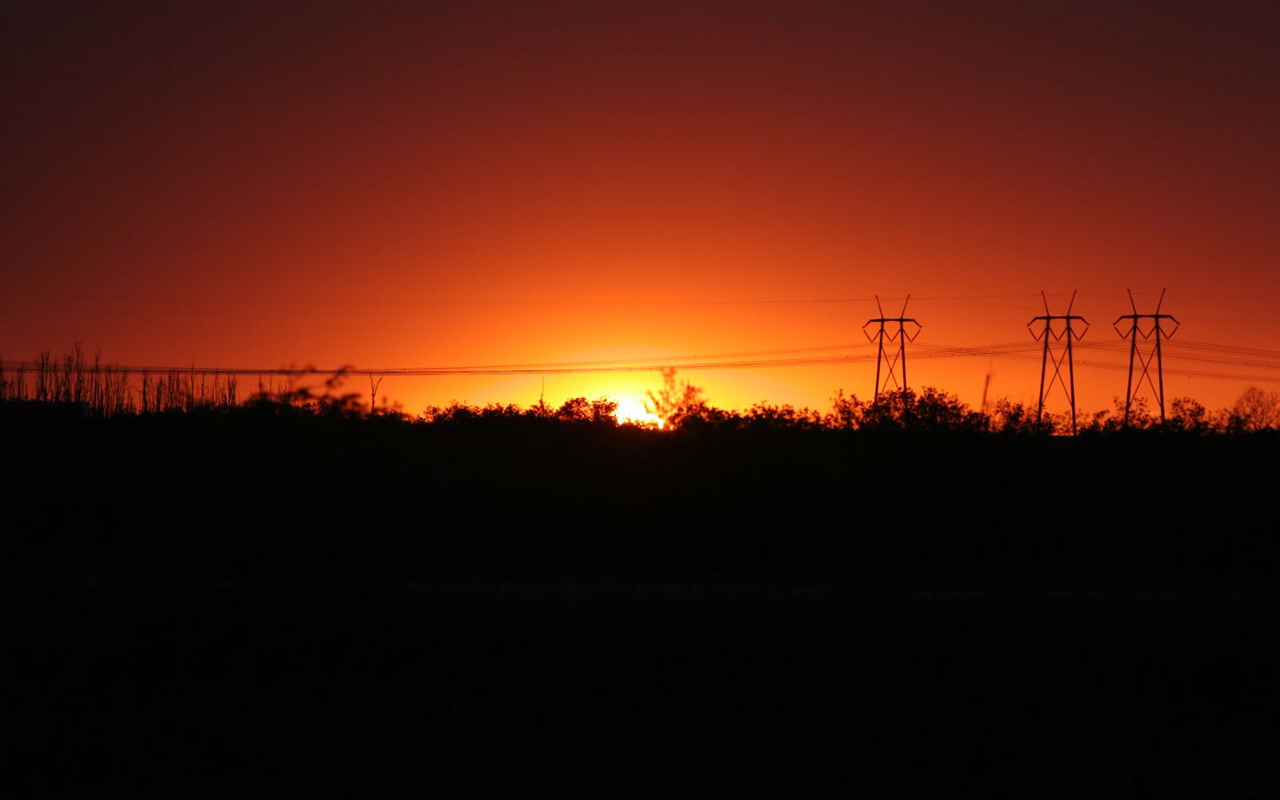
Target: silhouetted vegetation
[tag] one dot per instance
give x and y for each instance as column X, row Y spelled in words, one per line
column 595, row 494
column 209, row 587
column 102, row 389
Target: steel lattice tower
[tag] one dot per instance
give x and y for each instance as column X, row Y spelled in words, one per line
column 1066, row 335
column 1155, row 334
column 891, row 361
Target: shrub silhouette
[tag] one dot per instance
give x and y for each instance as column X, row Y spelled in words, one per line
column 1017, row 418
column 930, row 410
column 846, row 412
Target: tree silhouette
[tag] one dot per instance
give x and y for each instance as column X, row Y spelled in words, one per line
column 580, row 409
column 1257, row 409
column 1189, row 416
column 677, row 402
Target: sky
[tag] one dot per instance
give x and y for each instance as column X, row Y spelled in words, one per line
column 443, row 185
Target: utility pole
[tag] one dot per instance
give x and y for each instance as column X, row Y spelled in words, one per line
column 1155, row 334
column 1066, row 335
column 892, row 361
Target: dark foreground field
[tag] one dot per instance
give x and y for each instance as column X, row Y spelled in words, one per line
column 254, row 605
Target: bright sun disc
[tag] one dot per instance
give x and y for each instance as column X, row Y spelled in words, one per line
column 632, row 410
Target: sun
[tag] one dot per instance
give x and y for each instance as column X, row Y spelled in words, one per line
column 631, row 410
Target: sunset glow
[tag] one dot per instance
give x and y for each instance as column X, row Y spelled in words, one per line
column 639, row 186
column 633, row 411
column 598, row 398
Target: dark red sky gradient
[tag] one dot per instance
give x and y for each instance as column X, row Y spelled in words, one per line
column 397, row 184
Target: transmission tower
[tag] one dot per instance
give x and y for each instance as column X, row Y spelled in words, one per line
column 1154, row 334
column 885, row 356
column 1064, row 335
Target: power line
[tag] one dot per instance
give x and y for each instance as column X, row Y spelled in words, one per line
column 1229, row 355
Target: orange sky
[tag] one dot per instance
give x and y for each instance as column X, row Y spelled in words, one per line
column 386, row 186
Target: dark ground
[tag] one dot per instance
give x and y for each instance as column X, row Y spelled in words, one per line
column 303, row 607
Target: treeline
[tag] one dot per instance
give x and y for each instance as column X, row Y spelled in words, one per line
column 679, row 405
column 75, row 385
column 915, row 481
